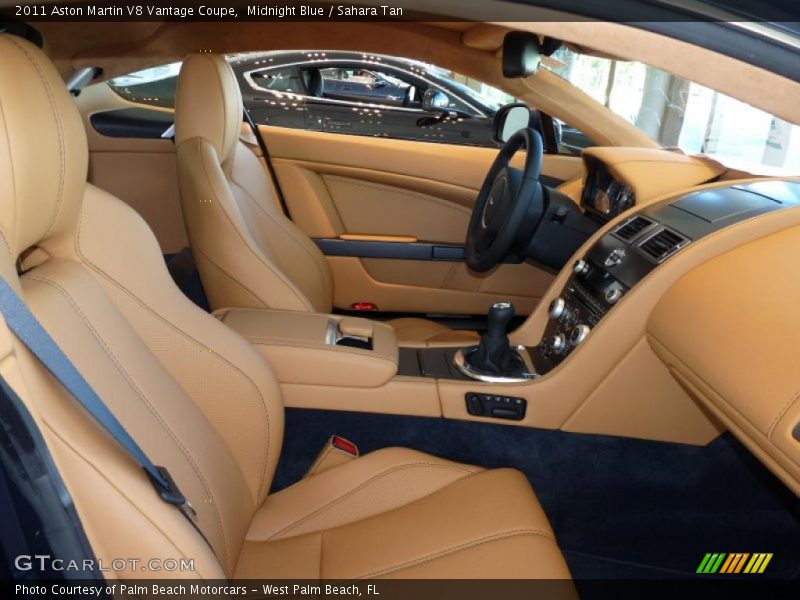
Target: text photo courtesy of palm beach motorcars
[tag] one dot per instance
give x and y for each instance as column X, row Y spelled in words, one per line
column 471, row 299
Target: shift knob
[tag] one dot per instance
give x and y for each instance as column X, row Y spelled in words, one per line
column 500, row 315
column 494, row 355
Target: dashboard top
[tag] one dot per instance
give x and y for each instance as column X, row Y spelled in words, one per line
column 619, row 178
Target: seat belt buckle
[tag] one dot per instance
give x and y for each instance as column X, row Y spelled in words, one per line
column 337, row 451
column 168, row 490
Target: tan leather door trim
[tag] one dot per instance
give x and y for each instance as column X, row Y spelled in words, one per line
column 142, row 172
column 374, row 189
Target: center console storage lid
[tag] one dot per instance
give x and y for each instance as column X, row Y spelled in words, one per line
column 301, row 349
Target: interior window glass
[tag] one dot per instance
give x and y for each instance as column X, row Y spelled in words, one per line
column 154, row 86
column 372, row 86
column 680, row 113
column 279, row 80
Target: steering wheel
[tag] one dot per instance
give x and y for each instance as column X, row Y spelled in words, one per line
column 509, row 203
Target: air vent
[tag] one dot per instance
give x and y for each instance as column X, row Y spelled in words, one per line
column 633, row 227
column 662, row 245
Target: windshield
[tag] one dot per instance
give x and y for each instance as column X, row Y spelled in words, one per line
column 679, row 113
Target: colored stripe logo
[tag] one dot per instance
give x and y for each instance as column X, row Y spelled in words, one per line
column 734, row 563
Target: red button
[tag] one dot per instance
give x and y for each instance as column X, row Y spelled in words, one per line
column 344, row 445
column 363, row 306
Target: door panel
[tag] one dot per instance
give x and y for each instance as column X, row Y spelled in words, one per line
column 133, row 161
column 338, row 185
column 363, row 205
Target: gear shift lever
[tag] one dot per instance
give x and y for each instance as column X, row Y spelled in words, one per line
column 494, row 355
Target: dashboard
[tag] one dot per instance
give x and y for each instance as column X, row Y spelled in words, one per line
column 627, row 254
column 721, row 330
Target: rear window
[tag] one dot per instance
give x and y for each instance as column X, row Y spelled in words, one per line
column 154, row 86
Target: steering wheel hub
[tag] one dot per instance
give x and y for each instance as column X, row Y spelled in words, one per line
column 504, row 203
column 498, row 200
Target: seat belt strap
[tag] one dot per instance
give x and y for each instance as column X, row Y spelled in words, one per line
column 30, row 332
column 268, row 160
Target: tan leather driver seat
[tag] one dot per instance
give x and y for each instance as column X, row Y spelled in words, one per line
column 248, row 253
column 202, row 402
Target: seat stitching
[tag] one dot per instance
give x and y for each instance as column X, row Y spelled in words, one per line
column 223, row 96
column 321, row 547
column 265, row 341
column 780, row 414
column 198, row 250
column 111, row 483
column 361, row 486
column 59, row 130
column 186, row 336
column 283, row 227
column 464, row 546
column 257, row 255
column 141, row 395
column 13, row 181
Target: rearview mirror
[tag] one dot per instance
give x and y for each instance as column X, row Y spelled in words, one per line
column 435, row 101
column 509, row 120
column 521, row 54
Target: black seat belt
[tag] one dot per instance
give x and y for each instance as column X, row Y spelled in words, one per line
column 268, row 161
column 30, row 332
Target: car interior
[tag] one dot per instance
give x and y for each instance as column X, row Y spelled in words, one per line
column 363, row 357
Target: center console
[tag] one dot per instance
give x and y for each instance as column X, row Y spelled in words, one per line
column 317, row 349
column 582, row 369
column 626, row 255
column 606, row 273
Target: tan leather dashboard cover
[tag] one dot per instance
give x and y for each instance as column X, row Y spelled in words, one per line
column 729, row 330
column 653, row 172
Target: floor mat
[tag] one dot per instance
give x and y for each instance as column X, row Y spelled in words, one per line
column 621, row 508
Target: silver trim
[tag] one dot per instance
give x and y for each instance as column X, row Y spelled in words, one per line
column 333, row 335
column 556, row 308
column 579, row 334
column 332, row 332
column 80, row 78
column 765, row 31
column 580, row 266
column 557, row 343
column 460, row 361
column 615, row 257
column 735, row 20
column 169, row 133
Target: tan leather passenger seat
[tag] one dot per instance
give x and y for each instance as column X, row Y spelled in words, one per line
column 248, row 253
column 202, row 402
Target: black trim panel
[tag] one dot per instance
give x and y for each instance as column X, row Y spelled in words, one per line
column 550, row 181
column 436, row 363
column 132, row 123
column 398, row 250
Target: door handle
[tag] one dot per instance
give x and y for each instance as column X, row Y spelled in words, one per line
column 337, row 123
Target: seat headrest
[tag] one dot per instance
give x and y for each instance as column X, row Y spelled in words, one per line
column 208, row 103
column 43, row 151
column 316, row 86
